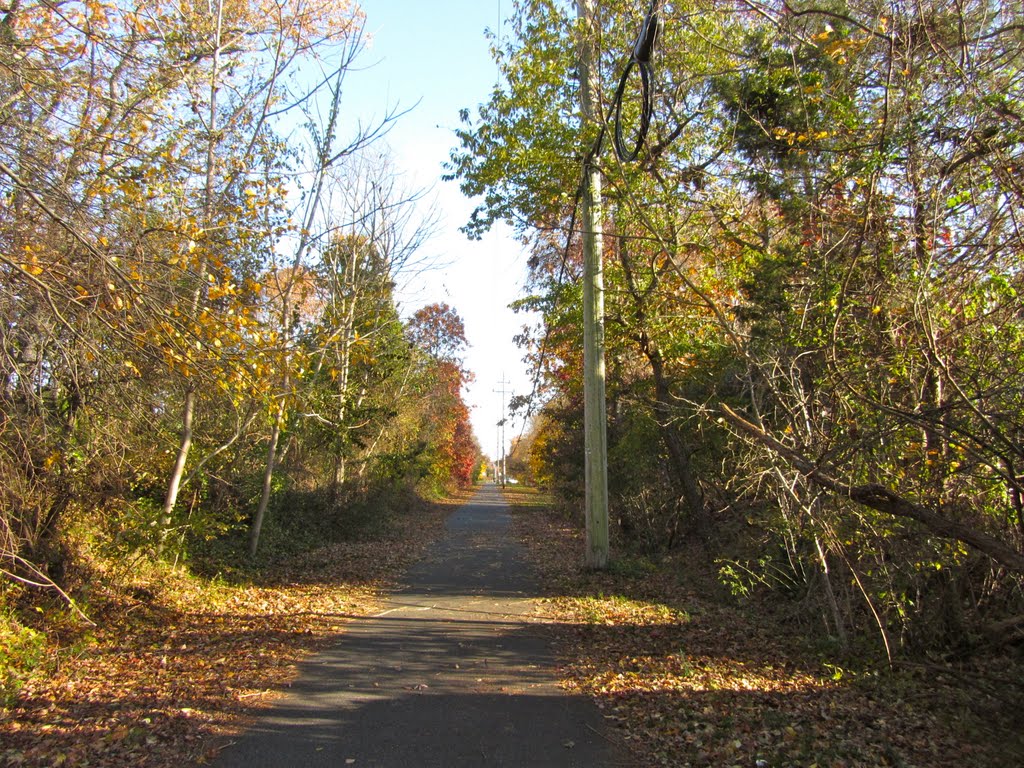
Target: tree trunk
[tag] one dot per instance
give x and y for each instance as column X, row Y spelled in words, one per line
column 325, row 160
column 830, row 595
column 678, row 451
column 174, row 483
column 189, row 406
column 268, row 477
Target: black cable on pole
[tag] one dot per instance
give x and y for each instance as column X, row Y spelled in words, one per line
column 640, row 59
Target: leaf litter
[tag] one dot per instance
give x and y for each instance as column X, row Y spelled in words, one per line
column 688, row 678
column 684, row 678
column 174, row 670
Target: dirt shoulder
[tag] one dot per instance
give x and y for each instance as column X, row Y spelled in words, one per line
column 698, row 681
column 173, row 669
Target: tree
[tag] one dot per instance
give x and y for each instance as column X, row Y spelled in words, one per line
column 438, row 330
column 451, row 452
column 357, row 347
column 326, row 155
column 818, row 244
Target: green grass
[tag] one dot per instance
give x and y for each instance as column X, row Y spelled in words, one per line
column 22, row 653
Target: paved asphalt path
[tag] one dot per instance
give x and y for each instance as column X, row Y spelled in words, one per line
column 451, row 673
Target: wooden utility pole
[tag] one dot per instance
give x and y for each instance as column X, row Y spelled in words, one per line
column 594, row 415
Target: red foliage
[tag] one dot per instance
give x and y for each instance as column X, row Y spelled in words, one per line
column 438, row 330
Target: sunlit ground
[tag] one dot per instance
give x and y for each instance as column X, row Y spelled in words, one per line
column 173, row 664
column 694, row 681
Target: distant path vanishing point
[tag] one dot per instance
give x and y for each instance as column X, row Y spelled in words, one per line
column 451, row 673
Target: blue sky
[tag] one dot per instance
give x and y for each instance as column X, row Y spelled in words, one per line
column 437, row 54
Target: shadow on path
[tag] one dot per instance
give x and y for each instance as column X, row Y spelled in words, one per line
column 450, row 673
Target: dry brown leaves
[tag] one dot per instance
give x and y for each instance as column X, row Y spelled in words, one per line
column 169, row 675
column 693, row 681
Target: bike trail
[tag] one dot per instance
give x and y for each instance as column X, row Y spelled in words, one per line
column 451, row 672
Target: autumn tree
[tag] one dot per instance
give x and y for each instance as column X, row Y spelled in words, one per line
column 881, row 241
column 801, row 264
column 84, row 86
column 357, row 361
column 451, row 452
column 323, row 175
column 155, row 255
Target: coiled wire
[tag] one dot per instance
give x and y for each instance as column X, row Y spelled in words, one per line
column 639, row 59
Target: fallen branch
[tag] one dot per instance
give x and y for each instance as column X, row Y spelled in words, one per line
column 882, row 499
column 44, row 582
column 1006, row 631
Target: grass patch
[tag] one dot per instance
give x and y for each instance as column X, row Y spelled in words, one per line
column 22, row 653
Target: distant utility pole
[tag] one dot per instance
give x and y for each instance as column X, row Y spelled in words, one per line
column 501, row 429
column 595, row 437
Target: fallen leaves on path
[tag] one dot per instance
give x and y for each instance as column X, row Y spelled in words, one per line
column 173, row 669
column 693, row 681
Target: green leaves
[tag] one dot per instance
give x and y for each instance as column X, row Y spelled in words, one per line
column 824, row 236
